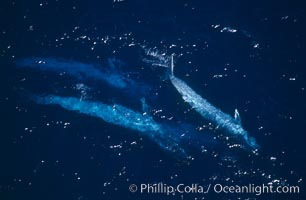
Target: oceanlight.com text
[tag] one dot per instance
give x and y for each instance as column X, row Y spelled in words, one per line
column 195, row 188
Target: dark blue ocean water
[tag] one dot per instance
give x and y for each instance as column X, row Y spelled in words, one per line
column 236, row 54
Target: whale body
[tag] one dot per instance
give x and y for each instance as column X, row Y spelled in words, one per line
column 209, row 112
column 118, row 115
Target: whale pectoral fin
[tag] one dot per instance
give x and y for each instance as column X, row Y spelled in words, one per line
column 237, row 116
column 172, row 65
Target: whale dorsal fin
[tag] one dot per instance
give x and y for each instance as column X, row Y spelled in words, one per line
column 145, row 107
column 237, row 116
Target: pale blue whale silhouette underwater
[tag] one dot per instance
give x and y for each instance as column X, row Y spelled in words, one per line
column 165, row 135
